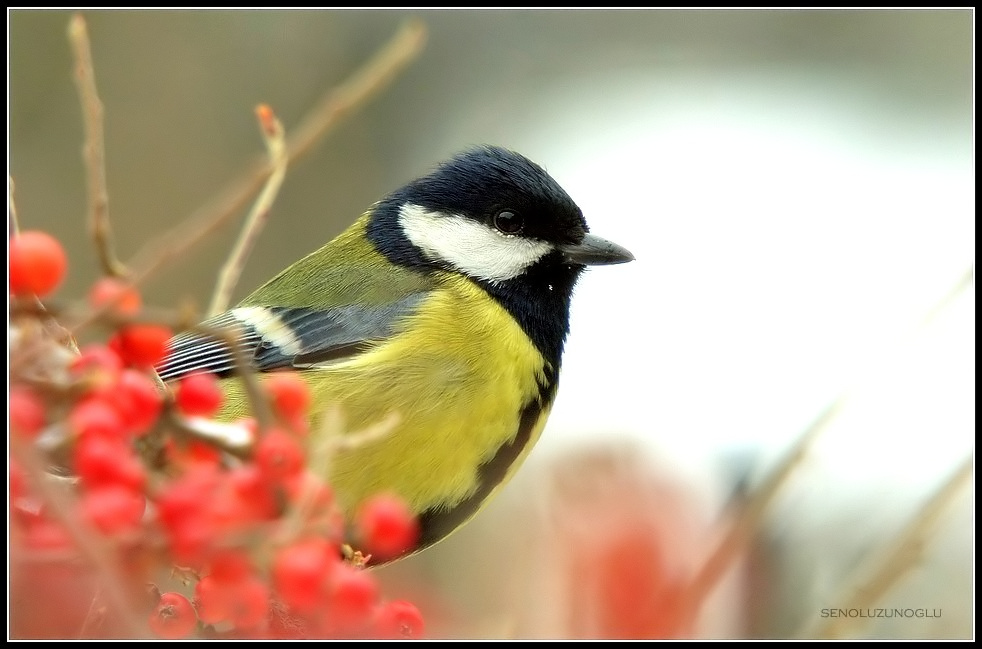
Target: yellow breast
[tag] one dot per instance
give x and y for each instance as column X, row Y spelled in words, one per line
column 459, row 374
column 466, row 384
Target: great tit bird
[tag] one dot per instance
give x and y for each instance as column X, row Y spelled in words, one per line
column 448, row 303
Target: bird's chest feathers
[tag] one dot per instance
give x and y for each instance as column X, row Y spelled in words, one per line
column 463, row 378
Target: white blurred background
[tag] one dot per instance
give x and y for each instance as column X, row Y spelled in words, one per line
column 797, row 187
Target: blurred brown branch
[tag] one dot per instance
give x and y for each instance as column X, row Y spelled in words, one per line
column 273, row 137
column 362, row 86
column 901, row 556
column 60, row 504
column 94, row 149
column 375, row 75
column 750, row 513
column 13, row 227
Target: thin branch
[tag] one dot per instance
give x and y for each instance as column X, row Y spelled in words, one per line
column 748, row 518
column 176, row 319
column 329, row 441
column 233, row 438
column 13, row 226
column 964, row 282
column 94, row 617
column 901, row 556
column 258, row 398
column 96, row 551
column 405, row 46
column 25, row 352
column 272, row 131
column 332, row 439
column 362, row 86
column 345, row 443
column 751, row 513
column 94, row 149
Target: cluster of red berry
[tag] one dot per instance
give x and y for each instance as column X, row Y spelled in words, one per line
column 258, row 535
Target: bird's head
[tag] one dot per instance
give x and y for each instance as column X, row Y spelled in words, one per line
column 493, row 215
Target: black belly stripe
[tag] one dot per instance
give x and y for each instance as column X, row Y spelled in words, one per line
column 435, row 524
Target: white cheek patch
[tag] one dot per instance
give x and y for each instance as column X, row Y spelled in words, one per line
column 471, row 247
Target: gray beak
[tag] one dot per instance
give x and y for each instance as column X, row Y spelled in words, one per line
column 594, row 251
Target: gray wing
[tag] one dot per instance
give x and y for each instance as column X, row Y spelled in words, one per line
column 270, row 338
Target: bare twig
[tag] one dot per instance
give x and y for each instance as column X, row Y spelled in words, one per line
column 258, row 399
column 174, row 318
column 751, row 513
column 330, row 440
column 27, row 351
column 94, row 617
column 404, row 47
column 92, row 548
column 272, row 131
column 362, row 86
column 748, row 518
column 13, row 227
column 95, row 148
column 964, row 282
column 233, row 438
column 901, row 556
column 335, row 440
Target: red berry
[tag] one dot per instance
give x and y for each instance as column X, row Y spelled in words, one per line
column 96, row 357
column 98, row 366
column 397, row 620
column 386, row 526
column 258, row 502
column 231, row 566
column 184, row 510
column 26, row 411
column 244, row 603
column 137, row 400
column 290, row 394
column 102, row 461
column 125, row 299
column 352, row 596
column 229, row 513
column 279, row 456
column 36, row 262
column 300, row 571
column 191, row 452
column 113, row 509
column 173, row 618
column 95, row 416
column 192, row 541
column 250, row 606
column 212, row 598
column 199, row 395
column 44, row 534
column 141, row 345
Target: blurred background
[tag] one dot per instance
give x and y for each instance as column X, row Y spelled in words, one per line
column 798, row 189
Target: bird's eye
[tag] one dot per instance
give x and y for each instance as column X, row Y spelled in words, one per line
column 508, row 222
